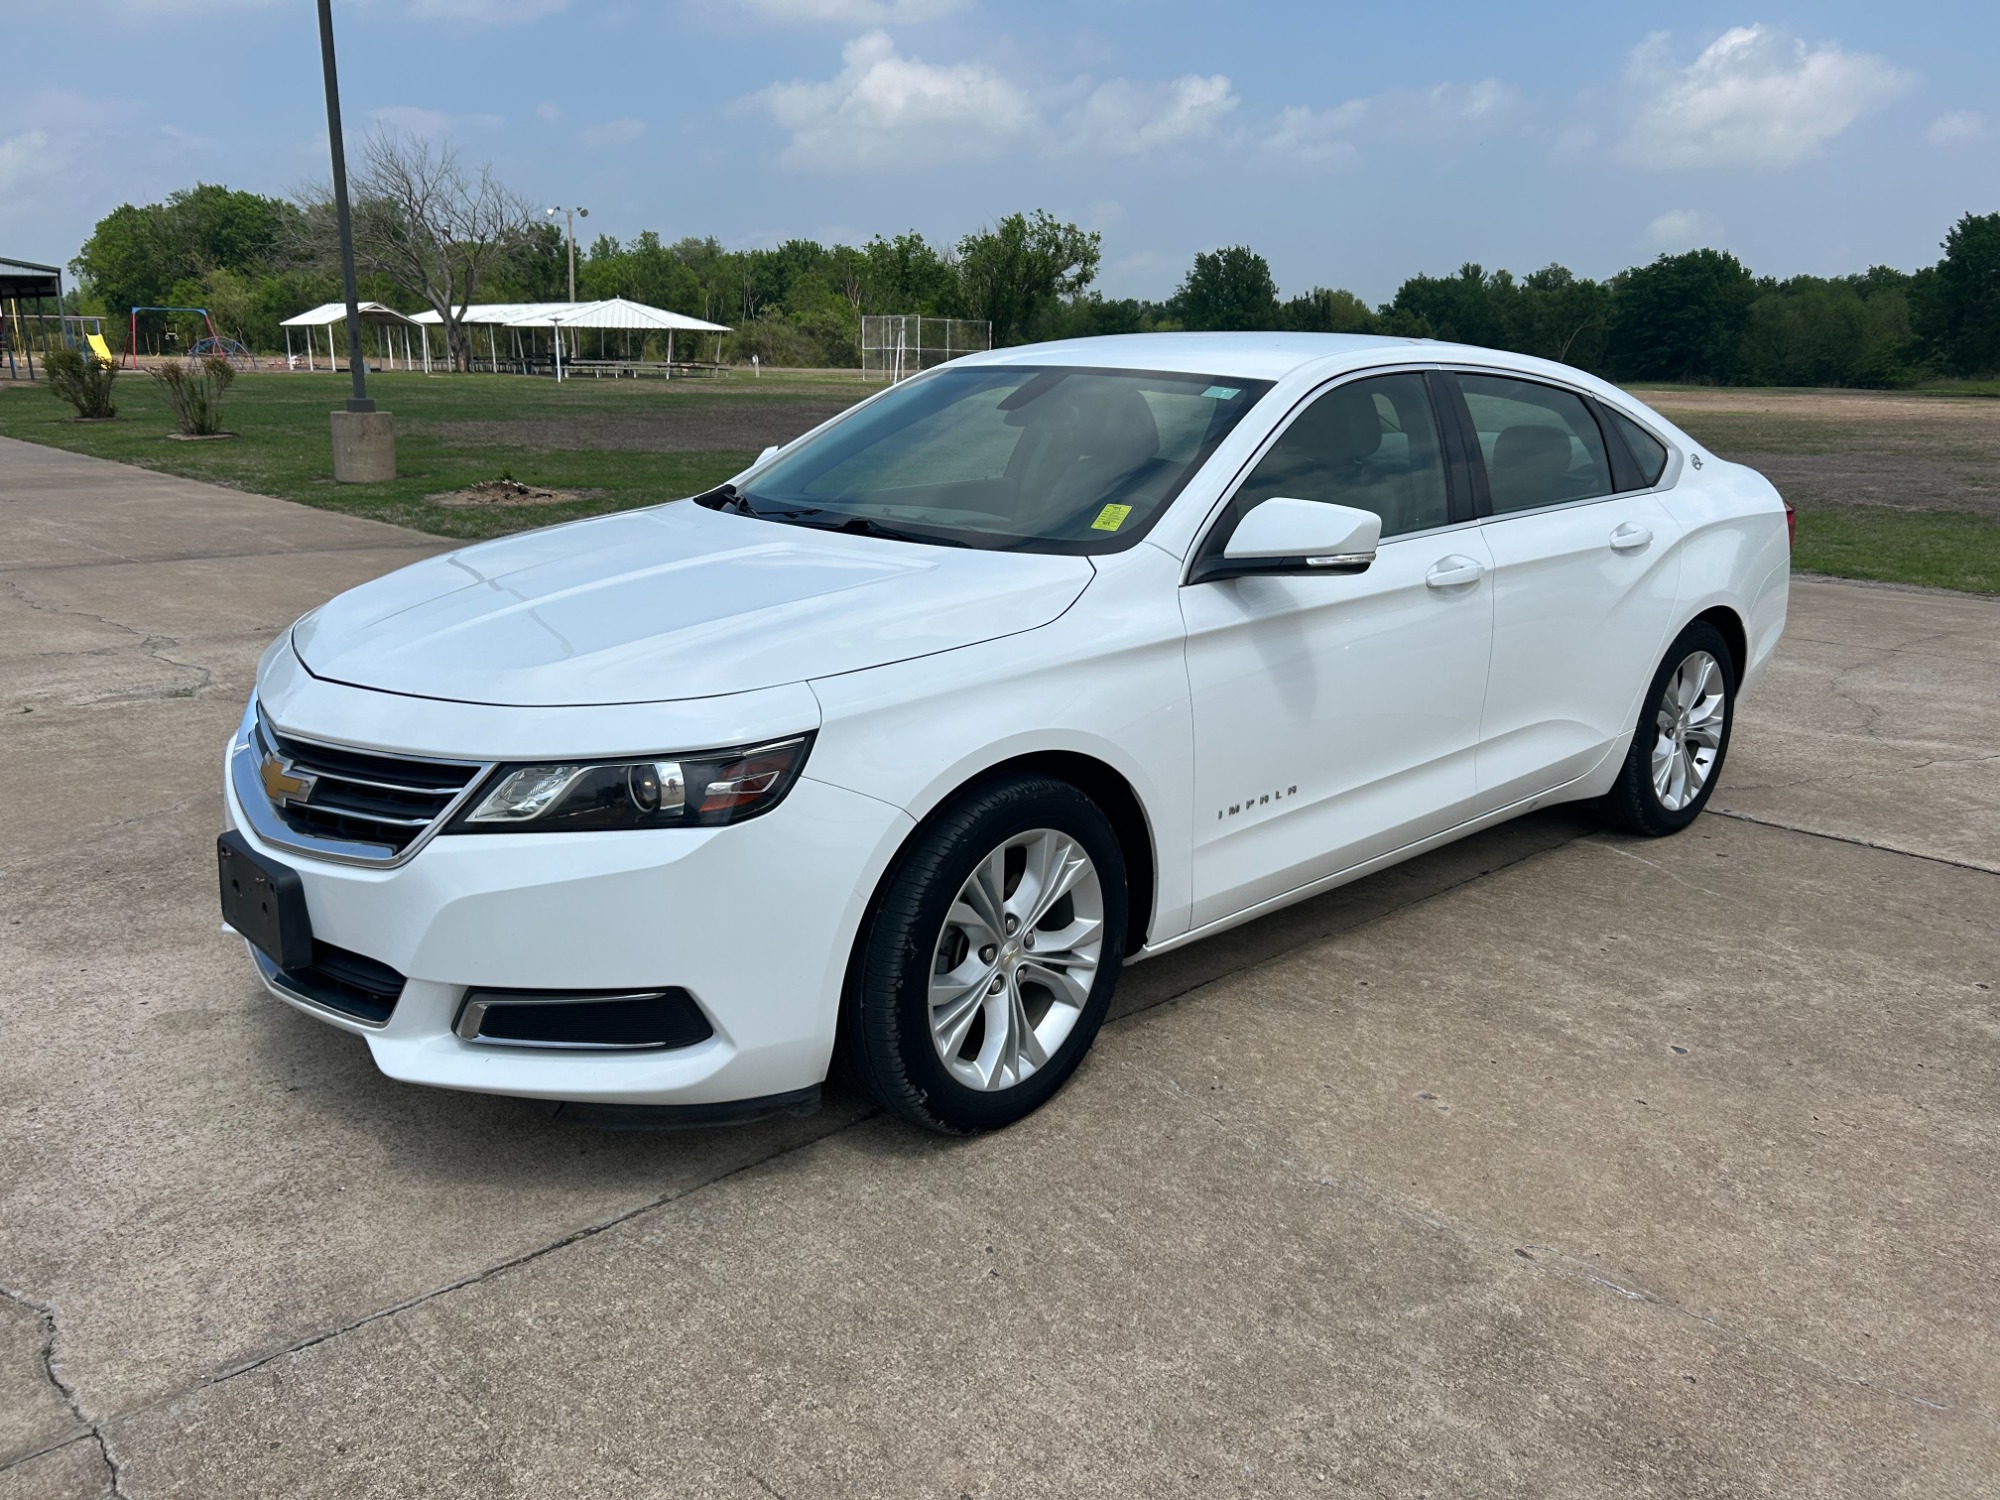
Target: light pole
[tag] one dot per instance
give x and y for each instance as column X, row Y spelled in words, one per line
column 570, row 216
column 364, row 439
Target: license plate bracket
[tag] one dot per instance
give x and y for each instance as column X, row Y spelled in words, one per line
column 265, row 901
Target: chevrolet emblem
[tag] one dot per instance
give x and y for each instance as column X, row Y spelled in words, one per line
column 282, row 784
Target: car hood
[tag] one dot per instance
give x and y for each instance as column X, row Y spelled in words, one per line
column 674, row 602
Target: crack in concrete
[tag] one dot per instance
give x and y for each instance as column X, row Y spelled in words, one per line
column 1858, row 842
column 152, row 644
column 92, row 1430
column 116, row 560
column 1874, row 771
column 1652, row 864
column 1479, row 1238
column 527, row 1257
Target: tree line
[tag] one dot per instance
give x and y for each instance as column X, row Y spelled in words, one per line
column 1700, row 316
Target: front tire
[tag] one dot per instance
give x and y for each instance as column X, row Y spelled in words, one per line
column 988, row 963
column 1681, row 739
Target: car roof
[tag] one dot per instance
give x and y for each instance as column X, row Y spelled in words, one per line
column 1274, row 356
column 1250, row 356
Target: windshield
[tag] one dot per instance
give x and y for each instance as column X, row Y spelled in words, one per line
column 1036, row 458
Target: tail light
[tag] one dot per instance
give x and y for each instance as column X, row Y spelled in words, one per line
column 1791, row 525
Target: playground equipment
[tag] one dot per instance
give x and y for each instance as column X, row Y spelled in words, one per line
column 213, row 342
column 238, row 354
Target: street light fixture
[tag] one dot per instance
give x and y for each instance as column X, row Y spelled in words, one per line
column 570, row 216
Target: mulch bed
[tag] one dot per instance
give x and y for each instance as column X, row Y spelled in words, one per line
column 506, row 493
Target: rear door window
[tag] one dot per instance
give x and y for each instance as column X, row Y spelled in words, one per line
column 1540, row 444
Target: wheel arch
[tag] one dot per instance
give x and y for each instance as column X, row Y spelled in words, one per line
column 1730, row 623
column 1097, row 779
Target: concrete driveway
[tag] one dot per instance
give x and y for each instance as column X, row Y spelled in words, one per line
column 1555, row 1163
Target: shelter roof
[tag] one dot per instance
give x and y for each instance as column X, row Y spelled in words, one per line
column 334, row 312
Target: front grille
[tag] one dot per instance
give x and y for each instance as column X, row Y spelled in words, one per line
column 360, row 796
column 338, row 979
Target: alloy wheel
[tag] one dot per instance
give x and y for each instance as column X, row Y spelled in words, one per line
column 1690, row 719
column 1015, row 960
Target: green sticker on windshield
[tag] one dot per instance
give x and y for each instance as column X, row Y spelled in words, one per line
column 1222, row 392
column 1111, row 518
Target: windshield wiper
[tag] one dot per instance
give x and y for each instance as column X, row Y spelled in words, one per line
column 724, row 497
column 855, row 525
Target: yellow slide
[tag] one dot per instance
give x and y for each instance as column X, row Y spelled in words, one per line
column 100, row 349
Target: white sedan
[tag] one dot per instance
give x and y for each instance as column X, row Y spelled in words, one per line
column 897, row 747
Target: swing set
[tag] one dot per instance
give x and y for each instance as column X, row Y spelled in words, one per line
column 210, row 343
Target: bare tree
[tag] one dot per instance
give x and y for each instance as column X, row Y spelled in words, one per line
column 427, row 224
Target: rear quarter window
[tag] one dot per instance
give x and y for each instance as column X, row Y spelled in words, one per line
column 1648, row 452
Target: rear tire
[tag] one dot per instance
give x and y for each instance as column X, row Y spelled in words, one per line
column 987, row 965
column 1681, row 739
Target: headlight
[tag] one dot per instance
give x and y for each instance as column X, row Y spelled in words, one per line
column 720, row 786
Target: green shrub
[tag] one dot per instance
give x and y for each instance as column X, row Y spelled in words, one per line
column 83, row 380
column 194, row 391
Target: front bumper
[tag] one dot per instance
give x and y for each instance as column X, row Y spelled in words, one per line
column 755, row 920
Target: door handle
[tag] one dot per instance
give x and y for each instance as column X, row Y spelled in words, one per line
column 1629, row 536
column 1454, row 572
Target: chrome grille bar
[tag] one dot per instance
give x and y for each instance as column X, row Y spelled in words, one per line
column 309, row 803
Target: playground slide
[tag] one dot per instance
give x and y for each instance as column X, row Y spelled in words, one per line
column 100, row 348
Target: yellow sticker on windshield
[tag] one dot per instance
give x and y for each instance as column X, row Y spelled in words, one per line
column 1111, row 518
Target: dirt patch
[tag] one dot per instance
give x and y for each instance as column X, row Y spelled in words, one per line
column 1835, row 448
column 706, row 426
column 507, row 493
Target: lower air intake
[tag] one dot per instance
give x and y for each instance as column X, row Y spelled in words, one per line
column 624, row 1020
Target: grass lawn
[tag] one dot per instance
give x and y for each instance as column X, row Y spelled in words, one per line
column 620, row 443
column 1901, row 487
column 1946, row 549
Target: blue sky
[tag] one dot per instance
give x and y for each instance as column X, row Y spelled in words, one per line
column 1351, row 144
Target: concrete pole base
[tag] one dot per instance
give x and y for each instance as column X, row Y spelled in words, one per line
column 364, row 447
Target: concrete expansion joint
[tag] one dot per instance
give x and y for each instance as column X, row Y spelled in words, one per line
column 1545, row 1259
column 89, row 1429
column 1859, row 843
column 527, row 1257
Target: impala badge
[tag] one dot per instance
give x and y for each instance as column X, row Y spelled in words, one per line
column 283, row 785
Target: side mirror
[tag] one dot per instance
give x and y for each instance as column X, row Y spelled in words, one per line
column 1295, row 537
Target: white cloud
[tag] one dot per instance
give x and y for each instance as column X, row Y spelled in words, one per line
column 1959, row 128
column 1448, row 109
column 80, row 158
column 490, row 12
column 1325, row 138
column 428, row 124
column 1314, row 137
column 852, row 12
column 548, row 109
column 1681, row 229
column 1122, row 117
column 612, row 132
column 1754, row 98
column 886, row 110
column 21, row 158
